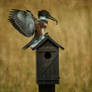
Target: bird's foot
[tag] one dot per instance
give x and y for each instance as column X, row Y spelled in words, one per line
column 46, row 33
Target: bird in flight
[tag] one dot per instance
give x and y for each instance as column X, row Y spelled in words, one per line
column 26, row 23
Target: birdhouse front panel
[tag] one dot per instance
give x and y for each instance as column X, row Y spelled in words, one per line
column 47, row 64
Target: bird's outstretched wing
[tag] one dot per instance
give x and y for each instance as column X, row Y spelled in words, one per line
column 23, row 21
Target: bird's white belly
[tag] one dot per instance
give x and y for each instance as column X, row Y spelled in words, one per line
column 43, row 31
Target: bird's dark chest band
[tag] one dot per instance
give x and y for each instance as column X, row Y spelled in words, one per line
column 42, row 24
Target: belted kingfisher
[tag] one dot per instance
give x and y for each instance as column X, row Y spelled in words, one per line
column 27, row 24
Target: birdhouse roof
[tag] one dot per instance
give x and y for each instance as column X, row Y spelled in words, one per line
column 47, row 37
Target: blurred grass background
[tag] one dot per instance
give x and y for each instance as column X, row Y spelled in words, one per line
column 74, row 32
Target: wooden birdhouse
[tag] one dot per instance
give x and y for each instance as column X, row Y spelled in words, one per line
column 47, row 61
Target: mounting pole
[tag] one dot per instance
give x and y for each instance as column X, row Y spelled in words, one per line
column 47, row 88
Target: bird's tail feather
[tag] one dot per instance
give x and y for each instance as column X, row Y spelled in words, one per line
column 36, row 37
column 27, row 45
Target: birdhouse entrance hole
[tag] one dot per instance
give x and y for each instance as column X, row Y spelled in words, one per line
column 47, row 55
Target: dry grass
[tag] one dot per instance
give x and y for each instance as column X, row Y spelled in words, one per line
column 74, row 32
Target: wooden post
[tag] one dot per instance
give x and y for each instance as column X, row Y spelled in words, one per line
column 47, row 88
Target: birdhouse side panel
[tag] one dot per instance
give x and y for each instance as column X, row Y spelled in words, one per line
column 47, row 67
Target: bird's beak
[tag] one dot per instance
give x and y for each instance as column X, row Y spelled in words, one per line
column 52, row 18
